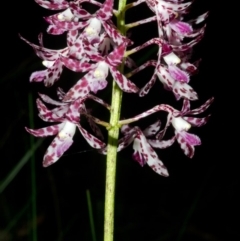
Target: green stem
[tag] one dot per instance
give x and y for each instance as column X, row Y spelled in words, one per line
column 137, row 23
column 91, row 219
column 113, row 135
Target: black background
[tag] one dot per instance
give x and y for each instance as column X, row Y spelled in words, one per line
column 198, row 201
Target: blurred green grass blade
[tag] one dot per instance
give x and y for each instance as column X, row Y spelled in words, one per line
column 19, row 166
column 33, row 171
column 71, row 222
column 187, row 218
column 91, row 219
column 16, row 218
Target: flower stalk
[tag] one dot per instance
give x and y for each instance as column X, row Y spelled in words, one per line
column 113, row 135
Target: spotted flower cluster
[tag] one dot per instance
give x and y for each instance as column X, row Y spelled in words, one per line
column 95, row 48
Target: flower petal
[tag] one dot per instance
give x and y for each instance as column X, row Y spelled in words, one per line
column 97, row 131
column 186, row 106
column 161, row 134
column 197, row 121
column 46, row 131
column 115, row 57
column 76, row 65
column 106, row 11
column 161, row 144
column 56, row 150
column 76, row 47
column 125, row 129
column 202, row 108
column 123, row 83
column 97, row 85
column 152, row 129
column 92, row 140
column 73, row 114
column 45, row 53
column 199, row 19
column 53, row 5
column 184, row 91
column 145, row 89
column 60, row 93
column 180, row 27
column 92, row 52
column 41, row 107
column 49, row 100
column 67, row 25
column 175, row 6
column 185, row 146
column 113, row 33
column 71, row 37
column 187, row 46
column 80, row 89
column 49, row 76
column 191, row 138
column 196, row 32
column 54, row 115
column 188, row 67
column 55, row 30
column 178, row 74
column 78, row 11
column 165, row 77
column 144, row 153
column 126, row 140
column 38, row 76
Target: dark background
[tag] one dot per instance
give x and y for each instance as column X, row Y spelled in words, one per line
column 197, row 202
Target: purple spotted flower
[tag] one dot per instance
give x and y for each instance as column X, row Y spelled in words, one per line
column 95, row 47
column 182, row 122
column 173, row 74
column 51, row 60
column 53, row 4
column 64, row 131
column 143, row 151
column 74, row 17
column 95, row 79
column 174, row 78
column 167, row 10
column 173, row 68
